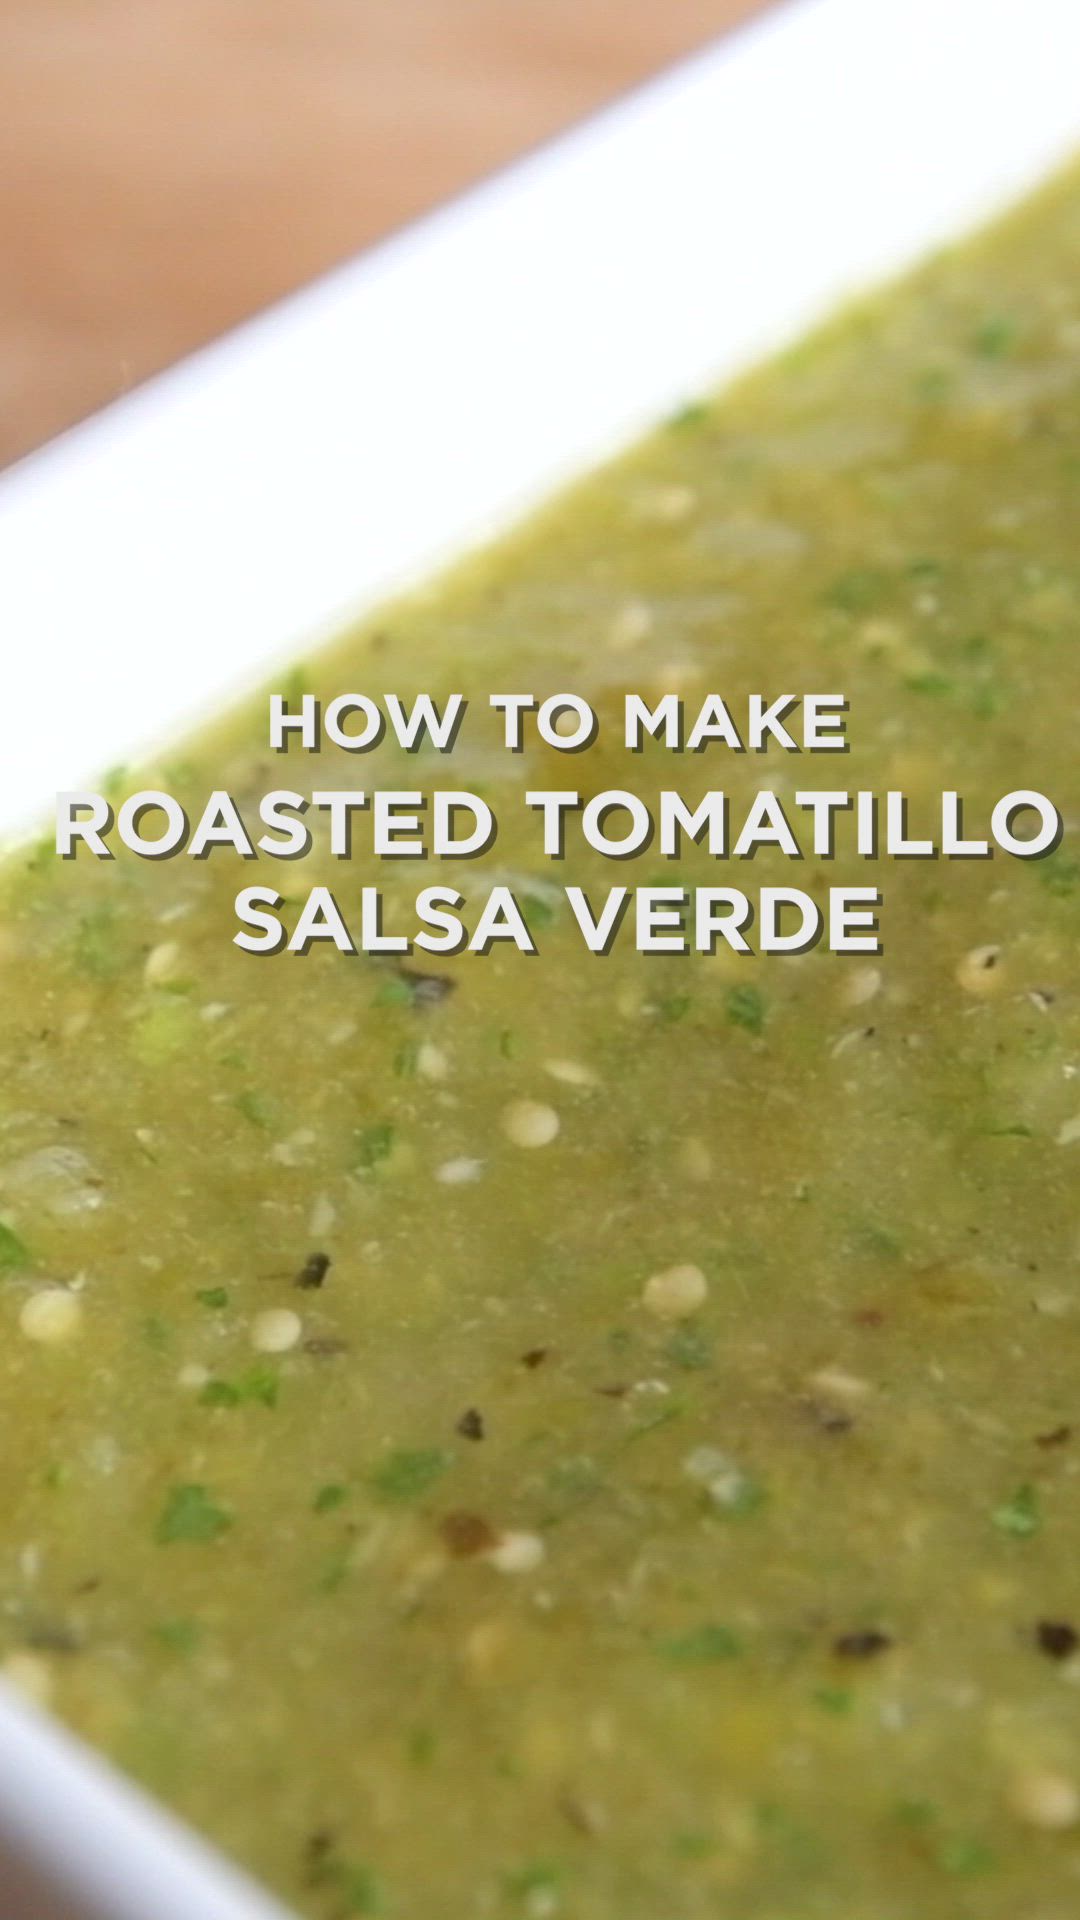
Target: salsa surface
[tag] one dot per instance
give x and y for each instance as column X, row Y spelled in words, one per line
column 588, row 1437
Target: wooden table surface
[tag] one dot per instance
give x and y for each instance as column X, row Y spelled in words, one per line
column 169, row 166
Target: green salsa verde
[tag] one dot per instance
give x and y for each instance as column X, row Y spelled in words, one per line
column 577, row 1437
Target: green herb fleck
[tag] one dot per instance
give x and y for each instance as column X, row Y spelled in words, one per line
column 360, row 1889
column 538, row 913
column 1019, row 1516
column 701, row 1645
column 393, row 991
column 94, row 950
column 962, row 1856
column 857, row 590
column 259, row 1384
column 986, row 700
column 692, row 1845
column 219, row 1393
column 536, row 1877
column 1059, row 873
column 334, row 1572
column 693, row 414
column 688, row 1348
column 179, row 1636
column 254, row 1107
column 929, row 682
column 994, row 336
column 409, row 1472
column 13, row 1254
column 373, row 1145
column 746, row 1008
column 157, row 1333
column 329, row 1497
column 837, row 1700
column 213, row 1297
column 190, row 1514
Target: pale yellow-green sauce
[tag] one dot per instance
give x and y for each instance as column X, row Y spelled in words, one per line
column 505, row 1573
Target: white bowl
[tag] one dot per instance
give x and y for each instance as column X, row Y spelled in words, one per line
column 245, row 505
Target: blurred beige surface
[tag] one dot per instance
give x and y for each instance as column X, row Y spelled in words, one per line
column 169, row 166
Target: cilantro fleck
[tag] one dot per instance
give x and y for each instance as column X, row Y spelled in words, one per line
column 963, row 1856
column 334, row 1571
column 537, row 1877
column 405, row 1060
column 857, row 590
column 1020, row 1515
column 688, row 1348
column 393, row 992
column 373, row 1145
column 538, row 913
column 157, row 1333
column 994, row 336
column 259, row 1383
column 746, row 1008
column 213, row 1297
column 1059, row 873
column 179, row 1636
column 701, row 1644
column 409, row 1472
column 929, row 682
column 837, row 1700
column 13, row 1254
column 189, row 1513
column 360, row 1889
column 219, row 1393
column 254, row 1108
column 329, row 1497
column 693, row 414
column 94, row 951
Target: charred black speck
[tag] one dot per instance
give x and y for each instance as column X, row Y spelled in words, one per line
column 1056, row 1638
column 865, row 1644
column 314, row 1270
column 471, row 1424
column 829, row 1419
column 426, row 989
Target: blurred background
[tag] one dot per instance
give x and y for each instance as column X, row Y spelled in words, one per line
column 169, row 166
